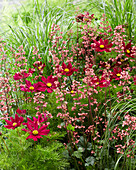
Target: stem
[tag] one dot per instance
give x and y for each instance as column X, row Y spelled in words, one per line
column 5, row 143
column 18, row 132
column 110, row 100
column 105, row 102
column 90, row 111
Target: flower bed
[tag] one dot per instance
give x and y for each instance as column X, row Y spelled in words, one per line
column 85, row 101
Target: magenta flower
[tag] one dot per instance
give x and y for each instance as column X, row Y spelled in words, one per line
column 19, row 76
column 80, row 17
column 128, row 50
column 35, row 132
column 101, row 45
column 31, row 88
column 14, row 122
column 48, row 84
column 21, row 112
column 99, row 82
column 40, row 66
column 67, row 69
column 134, row 79
column 35, row 120
column 31, row 70
column 116, row 74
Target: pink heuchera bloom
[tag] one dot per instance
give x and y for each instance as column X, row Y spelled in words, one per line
column 128, row 50
column 101, row 45
column 14, row 122
column 116, row 73
column 36, row 132
column 31, row 88
column 67, row 69
column 21, row 112
column 48, row 84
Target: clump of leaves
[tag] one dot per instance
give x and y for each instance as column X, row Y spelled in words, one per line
column 19, row 153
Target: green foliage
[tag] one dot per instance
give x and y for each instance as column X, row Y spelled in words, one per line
column 25, row 154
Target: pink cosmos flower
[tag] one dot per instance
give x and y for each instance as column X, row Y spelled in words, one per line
column 80, row 17
column 19, row 76
column 21, row 112
column 67, row 69
column 128, row 50
column 23, row 75
column 40, row 120
column 101, row 45
column 99, row 82
column 31, row 88
column 36, row 132
column 48, row 84
column 31, row 70
column 40, row 66
column 134, row 79
column 14, row 122
column 116, row 74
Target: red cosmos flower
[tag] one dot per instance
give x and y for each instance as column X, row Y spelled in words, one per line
column 40, row 66
column 19, row 76
column 31, row 88
column 80, row 17
column 35, row 120
column 101, row 45
column 128, row 50
column 21, row 112
column 48, row 83
column 116, row 73
column 134, row 79
column 14, row 122
column 99, row 82
column 23, row 75
column 67, row 69
column 31, row 70
column 35, row 132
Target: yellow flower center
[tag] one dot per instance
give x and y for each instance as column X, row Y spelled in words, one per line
column 107, row 65
column 31, row 88
column 128, row 51
column 118, row 75
column 14, row 124
column 72, row 91
column 66, row 70
column 86, row 19
column 97, row 83
column 35, row 132
column 49, row 84
column 121, row 60
column 39, row 68
column 101, row 46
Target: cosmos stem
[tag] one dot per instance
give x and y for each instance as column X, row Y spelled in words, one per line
column 5, row 143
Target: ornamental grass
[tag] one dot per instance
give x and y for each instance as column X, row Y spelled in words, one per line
column 80, row 113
